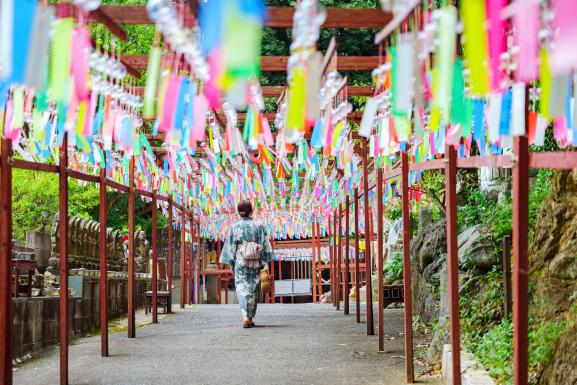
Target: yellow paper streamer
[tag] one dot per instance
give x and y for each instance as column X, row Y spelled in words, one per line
column 474, row 16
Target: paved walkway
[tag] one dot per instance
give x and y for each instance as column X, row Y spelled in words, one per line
column 292, row 344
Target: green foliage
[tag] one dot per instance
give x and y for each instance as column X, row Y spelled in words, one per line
column 495, row 349
column 394, row 209
column 393, row 269
column 35, row 200
column 540, row 192
column 35, row 203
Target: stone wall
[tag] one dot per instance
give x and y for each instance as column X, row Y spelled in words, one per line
column 36, row 319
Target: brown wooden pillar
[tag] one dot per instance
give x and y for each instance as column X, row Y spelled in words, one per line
column 183, row 259
column 103, row 269
column 313, row 263
column 368, row 229
column 357, row 268
column 272, row 280
column 169, row 256
column 453, row 259
column 339, row 245
column 319, row 262
column 198, row 298
column 379, row 261
column 6, row 307
column 520, row 260
column 63, row 248
column 131, row 282
column 154, row 261
column 347, row 256
column 407, row 270
column 190, row 283
column 281, row 300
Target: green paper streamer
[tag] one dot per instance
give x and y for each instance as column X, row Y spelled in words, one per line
column 444, row 59
column 60, row 59
column 152, row 72
column 18, row 108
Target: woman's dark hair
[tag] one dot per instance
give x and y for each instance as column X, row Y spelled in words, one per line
column 244, row 208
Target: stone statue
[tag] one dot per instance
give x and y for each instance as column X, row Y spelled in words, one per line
column 141, row 251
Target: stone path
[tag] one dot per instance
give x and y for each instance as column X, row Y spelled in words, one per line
column 292, row 344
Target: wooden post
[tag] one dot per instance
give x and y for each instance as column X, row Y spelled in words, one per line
column 331, row 284
column 368, row 263
column 281, row 300
column 381, row 299
column 339, row 244
column 453, row 259
column 198, row 298
column 219, row 276
column 131, row 282
column 357, row 268
column 347, row 256
column 319, row 262
column 272, row 280
column 169, row 257
column 507, row 300
column 520, row 259
column 313, row 264
column 6, row 307
column 183, row 259
column 154, row 262
column 63, row 248
column 407, row 294
column 191, row 260
column 103, row 270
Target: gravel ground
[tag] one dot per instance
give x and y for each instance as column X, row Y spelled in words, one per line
column 292, row 344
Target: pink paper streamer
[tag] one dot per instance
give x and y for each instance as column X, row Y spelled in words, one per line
column 199, row 126
column 563, row 59
column 80, row 44
column 268, row 139
column 497, row 41
column 526, row 22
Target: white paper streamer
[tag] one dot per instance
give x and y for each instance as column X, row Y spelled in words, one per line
column 405, row 75
column 518, row 110
column 368, row 118
column 6, row 28
column 540, row 130
column 494, row 117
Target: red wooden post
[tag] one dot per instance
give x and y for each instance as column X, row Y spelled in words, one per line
column 183, row 259
column 347, row 256
column 191, row 260
column 280, row 277
column 169, row 257
column 357, row 252
column 219, row 281
column 6, row 308
column 198, row 298
column 293, row 277
column 272, row 280
column 103, row 270
column 131, row 282
column 381, row 299
column 63, row 247
column 453, row 261
column 154, row 262
column 330, row 237
column 319, row 263
column 520, row 259
column 368, row 264
column 407, row 271
column 339, row 245
column 313, row 263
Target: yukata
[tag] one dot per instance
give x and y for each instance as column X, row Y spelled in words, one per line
column 247, row 279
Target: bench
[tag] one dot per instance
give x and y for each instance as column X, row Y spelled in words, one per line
column 162, row 300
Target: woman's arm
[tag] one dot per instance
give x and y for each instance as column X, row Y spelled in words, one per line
column 267, row 252
column 228, row 250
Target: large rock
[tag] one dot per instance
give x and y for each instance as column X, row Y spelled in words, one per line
column 429, row 244
column 562, row 368
column 476, row 249
column 553, row 262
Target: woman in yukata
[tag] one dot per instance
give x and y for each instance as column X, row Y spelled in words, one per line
column 247, row 278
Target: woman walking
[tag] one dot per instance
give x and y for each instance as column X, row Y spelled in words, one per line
column 247, row 249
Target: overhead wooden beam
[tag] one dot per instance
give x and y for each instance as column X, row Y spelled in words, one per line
column 276, row 91
column 279, row 63
column 278, row 17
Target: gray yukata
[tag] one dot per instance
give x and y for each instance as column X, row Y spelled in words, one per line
column 247, row 280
